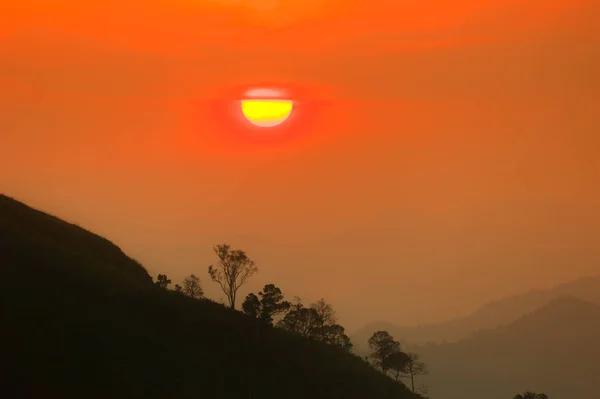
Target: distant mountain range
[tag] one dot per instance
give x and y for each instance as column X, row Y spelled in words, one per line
column 544, row 341
column 492, row 315
column 554, row 350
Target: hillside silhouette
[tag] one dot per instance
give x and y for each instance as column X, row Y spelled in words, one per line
column 489, row 316
column 554, row 349
column 81, row 319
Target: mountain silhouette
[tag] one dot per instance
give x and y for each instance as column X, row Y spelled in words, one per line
column 82, row 320
column 34, row 241
column 553, row 349
column 491, row 315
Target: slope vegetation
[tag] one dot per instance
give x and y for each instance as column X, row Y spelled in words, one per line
column 81, row 319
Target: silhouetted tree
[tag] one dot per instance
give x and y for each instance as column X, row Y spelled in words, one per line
column 251, row 305
column 162, row 281
column 272, row 303
column 326, row 316
column 309, row 322
column 233, row 271
column 414, row 367
column 327, row 330
column 397, row 362
column 178, row 288
column 301, row 320
column 335, row 335
column 291, row 321
column 382, row 345
column 531, row 395
column 192, row 287
column 317, row 322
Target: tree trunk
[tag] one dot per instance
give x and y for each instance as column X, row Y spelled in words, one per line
column 412, row 381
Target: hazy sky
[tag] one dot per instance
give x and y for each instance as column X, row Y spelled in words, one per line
column 454, row 160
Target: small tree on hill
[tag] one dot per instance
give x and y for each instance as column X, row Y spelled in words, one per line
column 335, row 334
column 162, row 281
column 415, row 367
column 269, row 304
column 192, row 287
column 531, row 395
column 292, row 321
column 397, row 362
column 327, row 329
column 272, row 303
column 316, row 322
column 301, row 320
column 382, row 345
column 251, row 305
column 326, row 316
column 233, row 271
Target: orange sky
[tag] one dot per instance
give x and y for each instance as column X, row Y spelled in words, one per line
column 453, row 159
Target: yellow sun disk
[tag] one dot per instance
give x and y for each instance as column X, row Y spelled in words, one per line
column 266, row 113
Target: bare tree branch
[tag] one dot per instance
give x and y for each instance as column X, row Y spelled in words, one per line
column 233, row 271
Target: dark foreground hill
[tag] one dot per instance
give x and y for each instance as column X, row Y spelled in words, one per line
column 79, row 319
column 554, row 350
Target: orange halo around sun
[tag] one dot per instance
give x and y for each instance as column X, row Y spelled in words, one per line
column 266, row 107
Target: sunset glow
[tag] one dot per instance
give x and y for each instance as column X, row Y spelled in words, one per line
column 409, row 161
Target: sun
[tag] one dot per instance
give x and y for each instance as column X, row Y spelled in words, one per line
column 266, row 107
column 267, row 113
